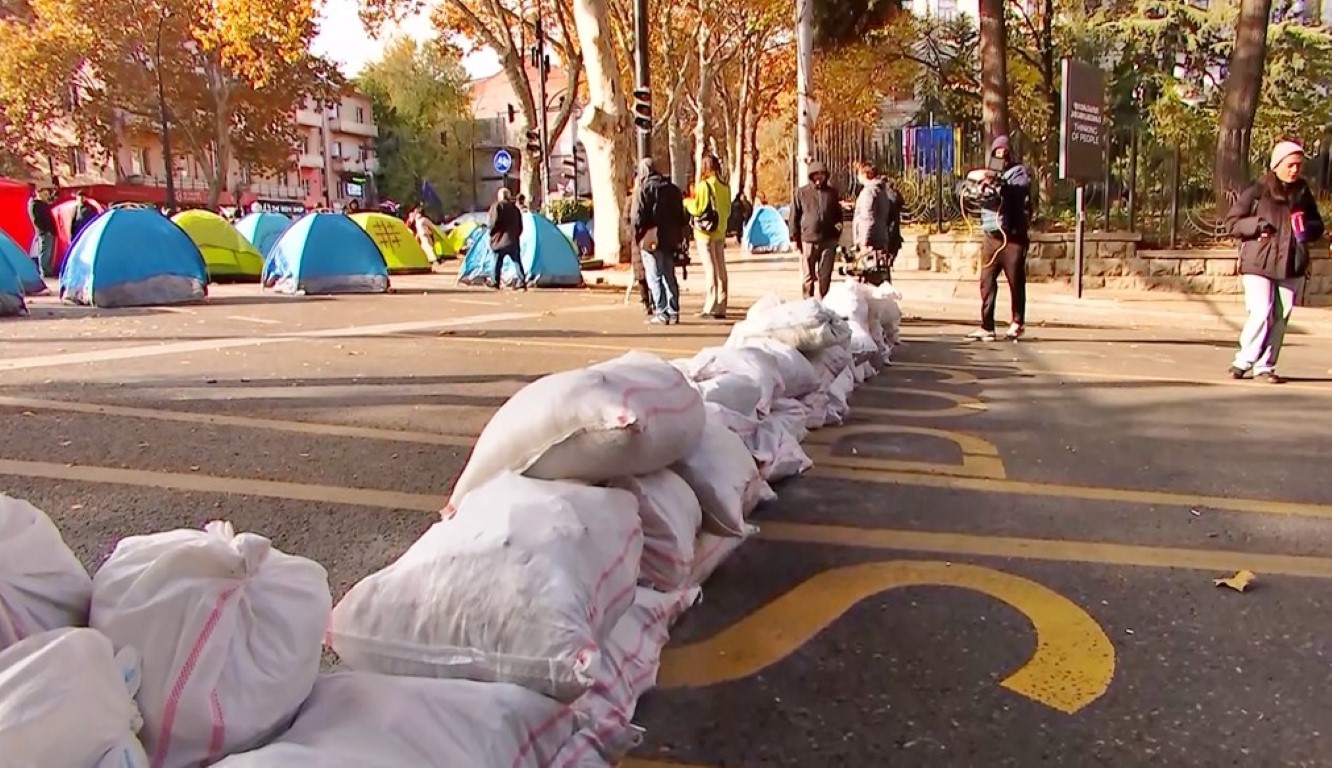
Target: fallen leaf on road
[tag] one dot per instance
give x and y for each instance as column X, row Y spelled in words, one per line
column 75, row 506
column 1239, row 582
column 29, row 413
column 1194, row 512
column 66, row 443
column 194, row 469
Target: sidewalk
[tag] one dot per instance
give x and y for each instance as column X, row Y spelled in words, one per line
column 946, row 296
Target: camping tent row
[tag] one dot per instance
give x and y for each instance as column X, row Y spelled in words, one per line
column 136, row 257
column 549, row 258
column 766, row 231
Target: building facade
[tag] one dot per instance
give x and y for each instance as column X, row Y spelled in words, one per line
column 333, row 165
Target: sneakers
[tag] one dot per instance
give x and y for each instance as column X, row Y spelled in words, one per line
column 659, row 320
column 1237, row 373
column 1015, row 331
column 981, row 335
column 1268, row 377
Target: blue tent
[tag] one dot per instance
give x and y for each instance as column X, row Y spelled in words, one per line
column 580, row 235
column 11, row 290
column 133, row 257
column 22, row 265
column 549, row 259
column 325, row 253
column 263, row 229
column 766, row 231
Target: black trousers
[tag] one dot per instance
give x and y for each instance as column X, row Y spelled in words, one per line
column 509, row 253
column 1011, row 259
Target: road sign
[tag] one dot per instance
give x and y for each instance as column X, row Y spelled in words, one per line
column 503, row 161
column 1082, row 122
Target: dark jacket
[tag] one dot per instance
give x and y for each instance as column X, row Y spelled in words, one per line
column 816, row 215
column 506, row 226
column 39, row 212
column 1261, row 218
column 1013, row 201
column 660, row 204
column 83, row 215
column 877, row 221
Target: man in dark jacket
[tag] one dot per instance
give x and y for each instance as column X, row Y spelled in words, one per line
column 84, row 213
column 1005, row 198
column 506, row 231
column 44, row 226
column 660, row 226
column 816, row 226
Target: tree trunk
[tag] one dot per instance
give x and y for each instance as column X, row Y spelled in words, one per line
column 994, row 69
column 752, row 159
column 677, row 139
column 703, row 99
column 604, row 125
column 1239, row 105
column 804, row 23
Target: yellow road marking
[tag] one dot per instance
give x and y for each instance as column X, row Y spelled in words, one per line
column 1289, row 385
column 1051, row 550
column 178, row 481
column 951, row 375
column 980, row 458
column 1082, row 492
column 963, row 405
column 244, row 422
column 1072, row 666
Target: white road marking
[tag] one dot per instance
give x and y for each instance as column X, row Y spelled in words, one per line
column 261, row 320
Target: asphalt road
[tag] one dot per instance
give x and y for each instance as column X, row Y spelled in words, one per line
column 1005, row 558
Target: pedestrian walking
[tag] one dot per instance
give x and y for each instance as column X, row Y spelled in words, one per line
column 660, row 225
column 876, row 223
column 1005, row 199
column 84, row 213
column 44, row 227
column 506, row 231
column 816, row 224
column 424, row 230
column 1275, row 219
column 710, row 209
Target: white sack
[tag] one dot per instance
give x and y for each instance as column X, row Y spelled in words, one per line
column 710, row 551
column 628, row 669
column 851, row 301
column 830, row 363
column 671, row 520
column 628, row 416
column 229, row 629
column 780, row 451
column 765, row 304
column 806, row 325
column 519, row 586
column 838, row 393
column 759, row 367
column 816, row 404
column 734, row 392
column 885, row 299
column 791, row 415
column 725, row 479
column 42, row 584
column 67, row 701
column 364, row 720
column 797, row 373
column 743, row 426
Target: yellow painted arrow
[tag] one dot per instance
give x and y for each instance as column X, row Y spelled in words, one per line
column 1072, row 666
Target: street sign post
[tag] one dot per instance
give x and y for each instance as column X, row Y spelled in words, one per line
column 1081, row 141
column 503, row 162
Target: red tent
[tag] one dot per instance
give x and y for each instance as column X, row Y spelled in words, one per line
column 14, row 212
column 64, row 217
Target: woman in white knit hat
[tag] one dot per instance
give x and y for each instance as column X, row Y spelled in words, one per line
column 1275, row 220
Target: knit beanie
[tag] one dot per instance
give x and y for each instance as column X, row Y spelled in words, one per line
column 1283, row 150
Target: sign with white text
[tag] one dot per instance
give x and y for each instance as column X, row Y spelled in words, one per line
column 1082, row 122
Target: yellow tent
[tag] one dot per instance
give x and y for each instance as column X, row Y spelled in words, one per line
column 227, row 254
column 455, row 242
column 395, row 241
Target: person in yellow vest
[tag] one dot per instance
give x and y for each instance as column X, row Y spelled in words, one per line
column 710, row 209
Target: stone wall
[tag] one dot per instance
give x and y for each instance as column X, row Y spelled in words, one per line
column 1113, row 260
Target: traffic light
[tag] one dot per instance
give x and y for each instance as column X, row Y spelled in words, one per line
column 513, row 113
column 534, row 142
column 643, row 109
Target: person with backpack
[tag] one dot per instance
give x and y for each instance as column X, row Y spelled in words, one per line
column 1275, row 219
column 816, row 228
column 1004, row 194
column 659, row 224
column 710, row 210
column 876, row 224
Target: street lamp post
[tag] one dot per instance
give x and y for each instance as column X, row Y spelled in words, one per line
column 642, row 76
column 542, row 62
column 164, row 114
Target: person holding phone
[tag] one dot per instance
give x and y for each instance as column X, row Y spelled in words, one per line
column 1275, row 220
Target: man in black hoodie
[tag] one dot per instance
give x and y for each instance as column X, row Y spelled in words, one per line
column 1005, row 199
column 816, row 226
column 660, row 227
column 506, row 232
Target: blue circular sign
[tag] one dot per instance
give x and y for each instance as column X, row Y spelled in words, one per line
column 503, row 161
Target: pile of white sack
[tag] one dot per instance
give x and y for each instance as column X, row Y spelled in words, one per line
column 520, row 630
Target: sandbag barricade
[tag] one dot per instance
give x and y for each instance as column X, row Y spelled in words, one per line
column 43, row 586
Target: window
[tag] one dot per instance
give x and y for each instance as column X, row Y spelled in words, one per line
column 139, row 162
column 360, row 154
column 360, row 114
column 337, row 149
column 305, row 187
column 78, row 162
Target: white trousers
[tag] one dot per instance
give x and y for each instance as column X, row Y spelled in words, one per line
column 1268, row 303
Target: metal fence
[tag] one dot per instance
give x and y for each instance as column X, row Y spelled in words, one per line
column 1164, row 193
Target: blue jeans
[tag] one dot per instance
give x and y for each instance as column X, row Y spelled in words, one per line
column 659, row 267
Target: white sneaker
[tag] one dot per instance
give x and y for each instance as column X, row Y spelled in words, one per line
column 1015, row 331
column 981, row 335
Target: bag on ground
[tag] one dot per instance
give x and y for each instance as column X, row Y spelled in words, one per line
column 628, row 669
column 671, row 520
column 830, row 363
column 43, row 585
column 885, row 299
column 791, row 415
column 520, row 586
column 629, row 416
column 851, row 301
column 759, row 367
column 806, row 325
column 229, row 629
column 816, row 404
column 67, row 700
column 725, row 478
column 797, row 373
column 733, row 392
column 365, row 720
column 838, row 393
column 710, row 551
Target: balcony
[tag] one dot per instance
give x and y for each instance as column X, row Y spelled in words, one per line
column 344, row 125
column 353, row 165
column 307, row 160
column 309, row 118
